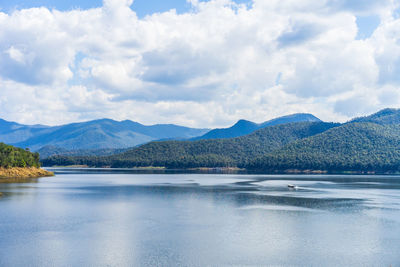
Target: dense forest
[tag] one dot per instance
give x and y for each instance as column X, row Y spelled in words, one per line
column 48, row 151
column 359, row 147
column 11, row 156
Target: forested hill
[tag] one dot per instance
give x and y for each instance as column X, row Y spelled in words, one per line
column 48, row 151
column 17, row 157
column 385, row 116
column 360, row 147
column 203, row 153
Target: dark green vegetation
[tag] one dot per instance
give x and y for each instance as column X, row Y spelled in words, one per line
column 17, row 157
column 48, row 151
column 359, row 147
column 97, row 134
column 243, row 127
column 385, row 116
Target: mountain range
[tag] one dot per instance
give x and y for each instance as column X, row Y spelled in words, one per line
column 106, row 136
column 243, row 127
column 96, row 134
column 366, row 144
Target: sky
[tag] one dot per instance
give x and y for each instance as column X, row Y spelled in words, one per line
column 197, row 63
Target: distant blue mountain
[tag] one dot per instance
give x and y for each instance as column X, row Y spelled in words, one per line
column 244, row 127
column 6, row 126
column 96, row 134
column 12, row 132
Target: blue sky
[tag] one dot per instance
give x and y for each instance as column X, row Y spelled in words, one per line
column 141, row 7
column 208, row 65
column 366, row 24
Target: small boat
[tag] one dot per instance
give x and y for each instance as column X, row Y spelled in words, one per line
column 292, row 186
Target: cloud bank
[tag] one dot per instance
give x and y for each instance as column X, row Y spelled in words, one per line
column 219, row 62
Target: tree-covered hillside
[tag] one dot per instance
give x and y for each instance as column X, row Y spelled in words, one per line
column 385, row 116
column 203, row 153
column 17, row 157
column 48, row 151
column 351, row 147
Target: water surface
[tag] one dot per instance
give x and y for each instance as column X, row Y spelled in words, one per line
column 120, row 218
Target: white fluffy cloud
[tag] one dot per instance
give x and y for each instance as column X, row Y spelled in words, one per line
column 209, row 67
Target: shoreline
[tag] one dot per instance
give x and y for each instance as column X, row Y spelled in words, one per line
column 19, row 173
column 240, row 170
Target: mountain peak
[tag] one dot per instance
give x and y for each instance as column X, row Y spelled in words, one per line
column 242, row 123
column 297, row 117
column 385, row 112
column 102, row 120
column 243, row 127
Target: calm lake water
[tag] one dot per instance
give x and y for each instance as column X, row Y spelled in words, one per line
column 118, row 218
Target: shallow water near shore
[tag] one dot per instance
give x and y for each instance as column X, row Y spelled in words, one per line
column 124, row 218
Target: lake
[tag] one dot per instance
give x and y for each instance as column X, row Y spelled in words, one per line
column 127, row 218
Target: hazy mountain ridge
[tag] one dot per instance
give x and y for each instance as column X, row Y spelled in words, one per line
column 244, row 127
column 97, row 134
column 12, row 132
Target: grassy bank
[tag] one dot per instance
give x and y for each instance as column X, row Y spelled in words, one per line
column 22, row 173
